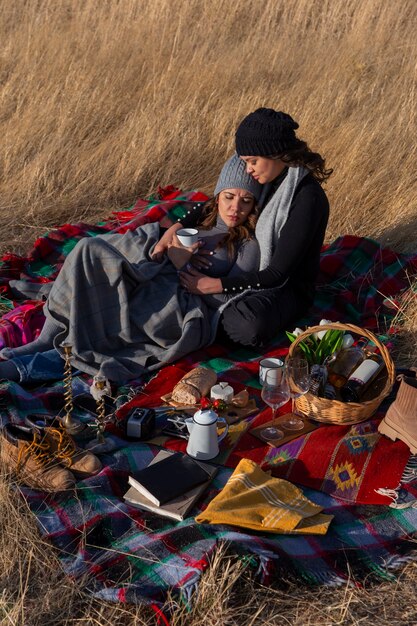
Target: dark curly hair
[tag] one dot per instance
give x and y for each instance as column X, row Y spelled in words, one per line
column 301, row 154
column 236, row 234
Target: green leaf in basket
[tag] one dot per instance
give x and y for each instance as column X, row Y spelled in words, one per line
column 338, row 344
column 316, row 350
column 307, row 351
column 313, row 341
column 330, row 342
column 318, row 355
column 291, row 336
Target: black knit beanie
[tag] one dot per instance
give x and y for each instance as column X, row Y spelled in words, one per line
column 266, row 132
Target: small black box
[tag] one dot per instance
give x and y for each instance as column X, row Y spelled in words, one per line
column 140, row 423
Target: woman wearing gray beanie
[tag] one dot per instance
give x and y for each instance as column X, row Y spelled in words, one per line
column 290, row 231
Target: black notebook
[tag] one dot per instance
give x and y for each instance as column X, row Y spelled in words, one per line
column 180, row 506
column 171, row 477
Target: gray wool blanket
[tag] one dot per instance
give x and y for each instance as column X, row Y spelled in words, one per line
column 122, row 313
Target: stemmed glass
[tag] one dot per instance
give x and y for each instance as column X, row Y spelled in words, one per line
column 299, row 383
column 275, row 393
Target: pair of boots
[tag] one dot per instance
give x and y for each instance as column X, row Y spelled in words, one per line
column 44, row 456
column 400, row 421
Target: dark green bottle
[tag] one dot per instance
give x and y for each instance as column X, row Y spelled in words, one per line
column 361, row 378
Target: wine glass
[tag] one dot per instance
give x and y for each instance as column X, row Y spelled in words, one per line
column 275, row 393
column 299, row 383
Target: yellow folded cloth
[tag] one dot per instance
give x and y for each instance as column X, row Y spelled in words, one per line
column 253, row 499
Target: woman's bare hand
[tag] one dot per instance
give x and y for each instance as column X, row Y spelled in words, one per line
column 159, row 251
column 200, row 284
column 202, row 258
column 178, row 254
column 161, row 246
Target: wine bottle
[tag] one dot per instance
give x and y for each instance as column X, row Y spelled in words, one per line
column 346, row 362
column 361, row 378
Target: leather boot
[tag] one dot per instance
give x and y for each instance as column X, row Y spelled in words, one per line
column 400, row 421
column 29, row 456
column 62, row 446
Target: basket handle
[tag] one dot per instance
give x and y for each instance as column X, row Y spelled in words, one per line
column 358, row 331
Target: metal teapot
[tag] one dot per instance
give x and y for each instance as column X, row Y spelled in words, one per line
column 203, row 442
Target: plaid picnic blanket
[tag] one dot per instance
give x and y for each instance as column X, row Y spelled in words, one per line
column 120, row 553
column 124, row 554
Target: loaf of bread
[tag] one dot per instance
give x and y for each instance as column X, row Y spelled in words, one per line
column 194, row 385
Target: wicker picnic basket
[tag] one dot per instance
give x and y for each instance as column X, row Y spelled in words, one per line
column 335, row 411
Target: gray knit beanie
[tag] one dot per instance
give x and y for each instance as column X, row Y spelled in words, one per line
column 234, row 176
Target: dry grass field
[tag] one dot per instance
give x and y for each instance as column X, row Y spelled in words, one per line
column 103, row 100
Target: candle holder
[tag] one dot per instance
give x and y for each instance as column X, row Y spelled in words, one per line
column 71, row 425
column 100, row 384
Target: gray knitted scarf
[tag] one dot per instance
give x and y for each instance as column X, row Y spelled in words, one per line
column 275, row 214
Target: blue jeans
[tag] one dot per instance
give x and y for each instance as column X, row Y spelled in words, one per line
column 40, row 366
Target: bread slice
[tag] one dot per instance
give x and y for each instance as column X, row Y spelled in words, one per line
column 194, row 385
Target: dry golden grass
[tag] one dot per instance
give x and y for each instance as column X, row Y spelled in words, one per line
column 103, row 100
column 405, row 305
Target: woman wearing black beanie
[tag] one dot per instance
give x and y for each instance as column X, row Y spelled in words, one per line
column 290, row 230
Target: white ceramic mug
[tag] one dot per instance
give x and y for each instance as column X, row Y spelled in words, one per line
column 276, row 366
column 187, row 236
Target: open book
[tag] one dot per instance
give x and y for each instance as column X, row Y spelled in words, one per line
column 178, row 506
